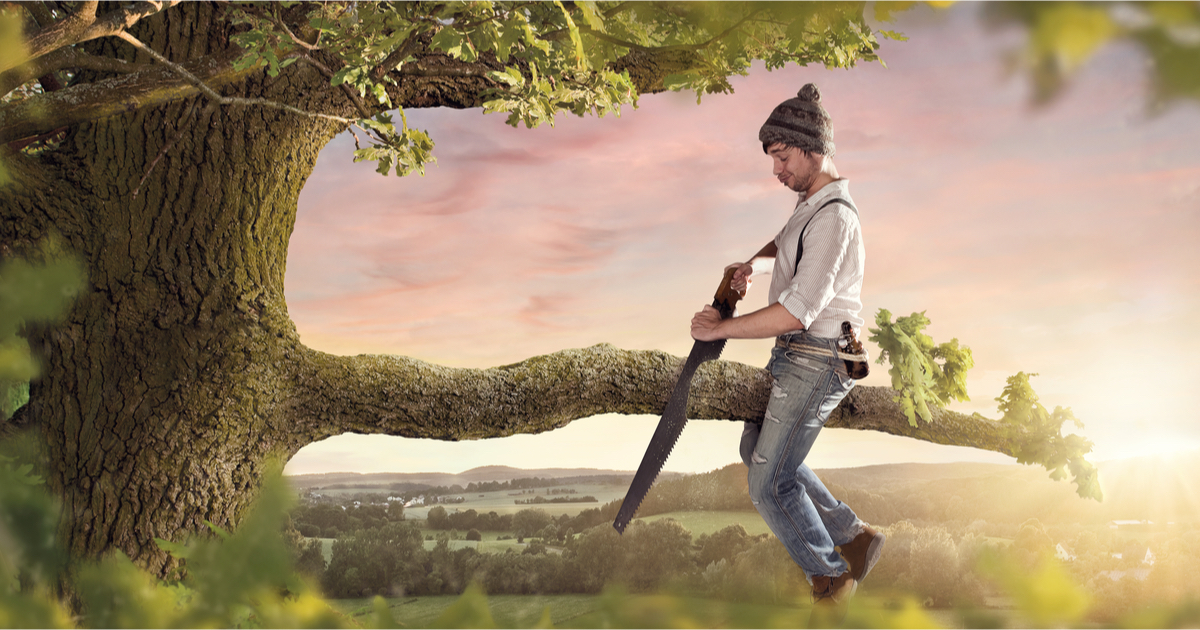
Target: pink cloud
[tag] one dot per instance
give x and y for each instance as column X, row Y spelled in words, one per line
column 1037, row 237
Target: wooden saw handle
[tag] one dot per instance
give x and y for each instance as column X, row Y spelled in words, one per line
column 726, row 298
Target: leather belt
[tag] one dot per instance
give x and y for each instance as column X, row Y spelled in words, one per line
column 804, row 348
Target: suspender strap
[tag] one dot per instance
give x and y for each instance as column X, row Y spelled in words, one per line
column 800, row 245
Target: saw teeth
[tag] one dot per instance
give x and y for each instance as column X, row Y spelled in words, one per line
column 663, row 452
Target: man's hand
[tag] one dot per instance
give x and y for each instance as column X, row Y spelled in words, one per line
column 741, row 278
column 705, row 323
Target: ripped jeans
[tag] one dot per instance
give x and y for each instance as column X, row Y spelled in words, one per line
column 797, row 507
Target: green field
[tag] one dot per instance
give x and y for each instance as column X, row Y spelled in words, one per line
column 486, row 546
column 597, row 611
column 712, row 522
column 584, row 611
column 696, row 522
column 509, row 611
column 502, row 502
column 489, row 544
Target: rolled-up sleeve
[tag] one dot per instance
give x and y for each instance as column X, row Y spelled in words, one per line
column 826, row 243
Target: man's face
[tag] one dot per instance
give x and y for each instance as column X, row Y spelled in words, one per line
column 793, row 167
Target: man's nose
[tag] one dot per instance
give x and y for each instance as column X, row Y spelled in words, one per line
column 776, row 168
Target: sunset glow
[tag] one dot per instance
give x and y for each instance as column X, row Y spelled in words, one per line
column 1058, row 241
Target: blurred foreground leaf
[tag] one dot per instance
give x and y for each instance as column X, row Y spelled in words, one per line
column 1047, row 596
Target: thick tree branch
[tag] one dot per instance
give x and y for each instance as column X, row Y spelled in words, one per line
column 64, row 32
column 66, row 58
column 403, row 396
column 93, row 101
column 40, row 12
column 422, row 70
column 359, row 106
column 82, row 26
column 274, row 19
column 410, row 45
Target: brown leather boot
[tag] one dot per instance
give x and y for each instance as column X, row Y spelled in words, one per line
column 833, row 590
column 831, row 600
column 863, row 552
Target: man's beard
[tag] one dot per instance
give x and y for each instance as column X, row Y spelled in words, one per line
column 801, row 184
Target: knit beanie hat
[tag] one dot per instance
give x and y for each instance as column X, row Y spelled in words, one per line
column 800, row 122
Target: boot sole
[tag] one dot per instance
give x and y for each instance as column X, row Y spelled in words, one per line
column 831, row 613
column 874, row 550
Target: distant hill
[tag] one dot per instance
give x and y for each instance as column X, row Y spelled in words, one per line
column 429, row 479
column 1157, row 488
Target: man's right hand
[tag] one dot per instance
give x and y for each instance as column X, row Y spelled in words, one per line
column 741, row 278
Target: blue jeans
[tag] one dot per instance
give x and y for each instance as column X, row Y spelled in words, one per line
column 797, row 507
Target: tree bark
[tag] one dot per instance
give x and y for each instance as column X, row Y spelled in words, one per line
column 403, row 396
column 178, row 376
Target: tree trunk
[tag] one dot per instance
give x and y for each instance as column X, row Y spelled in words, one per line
column 166, row 390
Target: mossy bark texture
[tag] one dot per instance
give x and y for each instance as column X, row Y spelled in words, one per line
column 178, row 375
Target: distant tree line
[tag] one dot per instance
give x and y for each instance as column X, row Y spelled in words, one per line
column 935, row 545
column 325, row 520
column 538, row 500
column 392, row 561
column 529, row 522
column 410, row 491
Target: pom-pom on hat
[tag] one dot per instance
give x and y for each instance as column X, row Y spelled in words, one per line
column 800, row 122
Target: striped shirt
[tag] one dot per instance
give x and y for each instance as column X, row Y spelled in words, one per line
column 827, row 288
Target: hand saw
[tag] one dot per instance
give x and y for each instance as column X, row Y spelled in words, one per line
column 674, row 418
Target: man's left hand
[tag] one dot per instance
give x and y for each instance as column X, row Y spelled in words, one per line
column 705, row 323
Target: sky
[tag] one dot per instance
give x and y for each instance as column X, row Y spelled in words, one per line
column 1057, row 240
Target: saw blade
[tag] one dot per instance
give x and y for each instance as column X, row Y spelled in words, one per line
column 669, row 428
column 675, row 415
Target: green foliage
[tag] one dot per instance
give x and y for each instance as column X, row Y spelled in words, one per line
column 30, row 559
column 240, row 579
column 575, row 57
column 1064, row 35
column 1047, row 595
column 375, row 561
column 13, row 396
column 917, row 375
column 404, row 149
column 12, row 49
column 470, row 611
column 36, row 291
column 1036, row 436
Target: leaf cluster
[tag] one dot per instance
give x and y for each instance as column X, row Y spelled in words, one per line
column 36, row 290
column 33, row 291
column 923, row 373
column 1047, row 595
column 1037, row 436
column 926, row 374
column 542, row 58
column 30, row 558
column 1064, row 35
column 368, row 41
column 232, row 580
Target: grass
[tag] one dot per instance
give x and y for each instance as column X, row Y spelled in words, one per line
column 485, row 546
column 595, row 611
column 489, row 544
column 509, row 611
column 712, row 522
column 327, row 548
column 502, row 502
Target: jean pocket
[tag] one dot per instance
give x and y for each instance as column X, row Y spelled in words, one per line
column 805, row 362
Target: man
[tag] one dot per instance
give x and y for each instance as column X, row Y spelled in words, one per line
column 816, row 264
